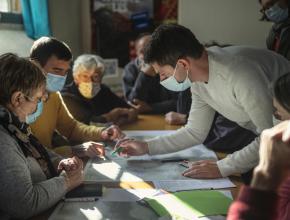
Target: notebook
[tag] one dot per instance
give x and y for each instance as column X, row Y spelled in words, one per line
column 85, row 192
column 190, row 204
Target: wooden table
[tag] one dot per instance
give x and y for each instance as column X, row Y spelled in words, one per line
column 147, row 122
column 150, row 122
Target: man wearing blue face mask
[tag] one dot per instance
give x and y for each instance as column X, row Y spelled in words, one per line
column 279, row 36
column 55, row 58
column 233, row 81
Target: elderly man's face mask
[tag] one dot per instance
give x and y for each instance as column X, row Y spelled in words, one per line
column 89, row 89
column 89, row 83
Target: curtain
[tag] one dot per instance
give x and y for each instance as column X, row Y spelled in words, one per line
column 35, row 18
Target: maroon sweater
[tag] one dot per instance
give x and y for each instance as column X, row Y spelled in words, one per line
column 253, row 204
column 284, row 201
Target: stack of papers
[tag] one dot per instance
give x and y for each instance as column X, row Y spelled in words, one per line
column 179, row 185
column 144, row 168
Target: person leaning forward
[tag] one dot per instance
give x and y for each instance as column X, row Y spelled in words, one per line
column 55, row 58
column 233, row 81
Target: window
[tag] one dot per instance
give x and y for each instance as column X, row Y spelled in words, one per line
column 10, row 11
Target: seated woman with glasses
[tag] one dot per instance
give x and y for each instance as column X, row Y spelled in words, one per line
column 32, row 179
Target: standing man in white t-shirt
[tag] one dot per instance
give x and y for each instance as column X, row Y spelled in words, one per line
column 234, row 81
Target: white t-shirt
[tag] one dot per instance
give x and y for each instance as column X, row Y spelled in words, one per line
column 239, row 88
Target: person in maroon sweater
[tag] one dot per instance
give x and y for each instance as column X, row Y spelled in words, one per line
column 268, row 196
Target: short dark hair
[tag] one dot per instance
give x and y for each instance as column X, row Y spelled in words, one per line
column 171, row 42
column 282, row 91
column 18, row 74
column 45, row 47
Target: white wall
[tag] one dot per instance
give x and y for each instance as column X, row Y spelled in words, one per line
column 14, row 40
column 70, row 22
column 225, row 21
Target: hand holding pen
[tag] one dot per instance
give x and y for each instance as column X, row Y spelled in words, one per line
column 131, row 147
column 112, row 133
column 117, row 148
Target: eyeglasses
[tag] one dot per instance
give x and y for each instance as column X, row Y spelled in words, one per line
column 43, row 98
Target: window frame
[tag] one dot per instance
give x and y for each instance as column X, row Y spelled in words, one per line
column 11, row 17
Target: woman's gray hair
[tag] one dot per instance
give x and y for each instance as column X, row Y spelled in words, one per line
column 18, row 74
column 88, row 62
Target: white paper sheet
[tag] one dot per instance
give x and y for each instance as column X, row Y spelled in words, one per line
column 179, row 185
column 100, row 210
column 151, row 168
column 128, row 195
column 144, row 168
column 197, row 152
column 150, row 133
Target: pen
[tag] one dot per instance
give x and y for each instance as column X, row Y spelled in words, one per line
column 117, row 150
column 183, row 165
column 84, row 199
column 173, row 160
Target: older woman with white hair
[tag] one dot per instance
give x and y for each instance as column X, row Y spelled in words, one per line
column 91, row 101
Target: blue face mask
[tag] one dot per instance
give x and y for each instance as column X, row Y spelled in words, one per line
column 54, row 82
column 172, row 84
column 276, row 13
column 32, row 117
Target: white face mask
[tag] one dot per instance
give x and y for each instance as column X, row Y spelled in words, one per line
column 89, row 89
column 276, row 13
column 172, row 84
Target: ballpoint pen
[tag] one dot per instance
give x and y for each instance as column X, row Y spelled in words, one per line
column 83, row 199
column 169, row 160
column 184, row 165
column 117, row 148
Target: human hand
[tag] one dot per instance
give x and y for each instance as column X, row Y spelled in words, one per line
column 274, row 164
column 132, row 114
column 69, row 164
column 140, row 106
column 203, row 169
column 112, row 133
column 281, row 131
column 174, row 118
column 127, row 116
column 147, row 69
column 89, row 149
column 131, row 147
column 115, row 115
column 74, row 178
